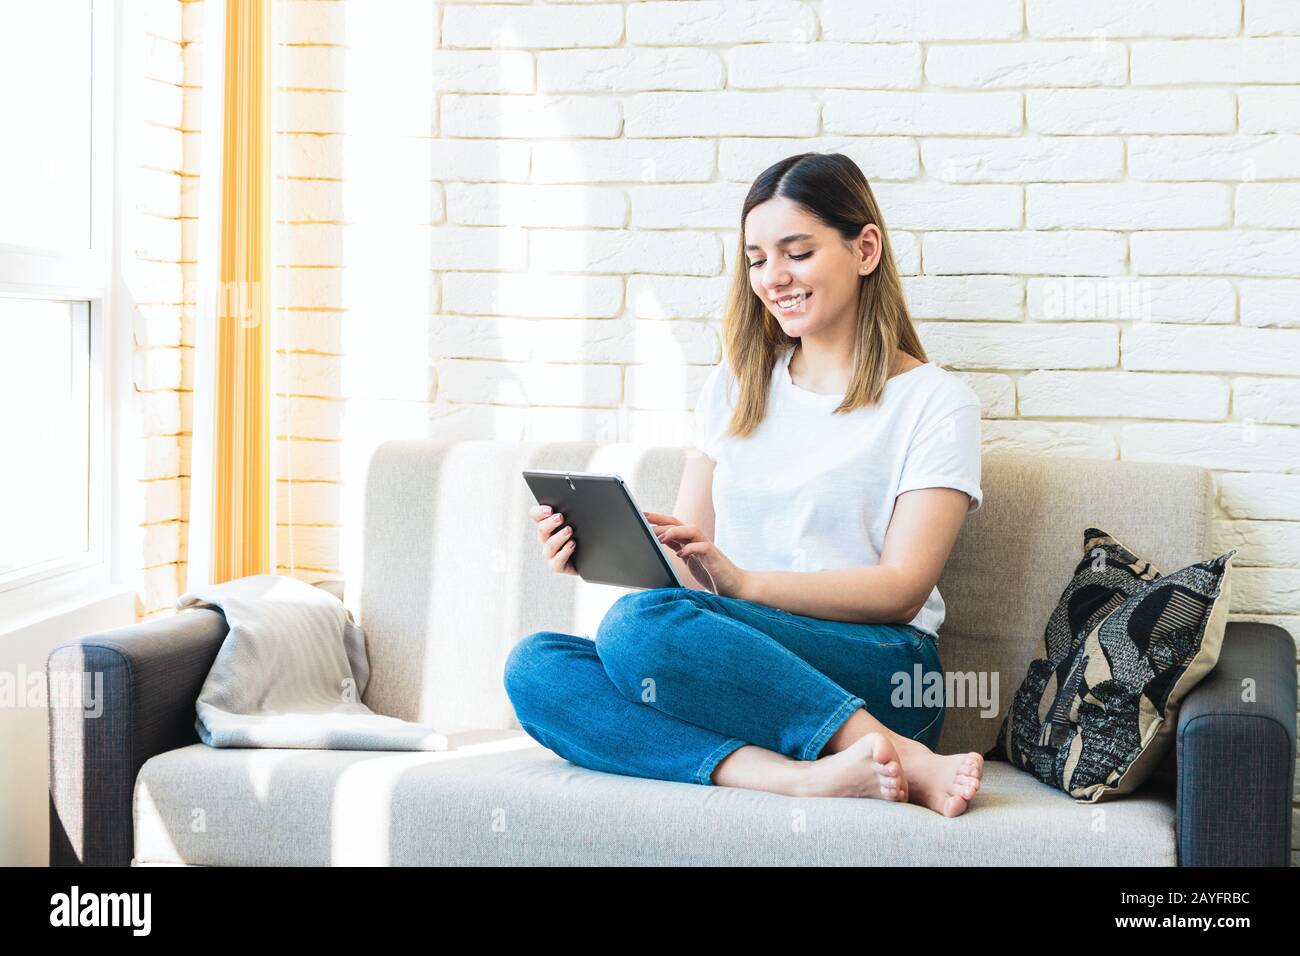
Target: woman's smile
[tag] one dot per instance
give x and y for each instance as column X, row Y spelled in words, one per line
column 792, row 303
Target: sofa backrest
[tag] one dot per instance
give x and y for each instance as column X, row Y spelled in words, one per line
column 453, row 573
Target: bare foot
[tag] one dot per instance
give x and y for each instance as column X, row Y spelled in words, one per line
column 869, row 767
column 946, row 783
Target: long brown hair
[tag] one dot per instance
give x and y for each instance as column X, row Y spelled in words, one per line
column 830, row 187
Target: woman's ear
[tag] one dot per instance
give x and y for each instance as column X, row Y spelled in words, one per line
column 869, row 246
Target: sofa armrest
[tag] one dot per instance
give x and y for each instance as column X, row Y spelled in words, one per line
column 1236, row 757
column 133, row 697
column 138, row 685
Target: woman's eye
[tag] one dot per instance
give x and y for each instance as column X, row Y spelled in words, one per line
column 761, row 261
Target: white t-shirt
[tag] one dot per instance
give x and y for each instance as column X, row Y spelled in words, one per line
column 809, row 490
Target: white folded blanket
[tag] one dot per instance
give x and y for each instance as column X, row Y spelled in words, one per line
column 291, row 673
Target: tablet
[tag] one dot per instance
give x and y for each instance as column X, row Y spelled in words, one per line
column 615, row 543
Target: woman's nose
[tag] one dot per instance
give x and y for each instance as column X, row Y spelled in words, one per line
column 775, row 280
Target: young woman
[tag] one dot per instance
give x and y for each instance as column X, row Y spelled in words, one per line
column 838, row 465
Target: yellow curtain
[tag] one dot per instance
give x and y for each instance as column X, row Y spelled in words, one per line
column 241, row 520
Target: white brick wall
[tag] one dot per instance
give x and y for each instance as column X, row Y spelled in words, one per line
column 153, row 72
column 517, row 219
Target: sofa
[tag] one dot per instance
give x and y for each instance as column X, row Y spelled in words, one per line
column 451, row 576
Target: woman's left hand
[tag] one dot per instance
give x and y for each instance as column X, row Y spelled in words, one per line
column 700, row 555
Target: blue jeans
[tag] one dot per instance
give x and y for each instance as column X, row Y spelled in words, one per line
column 677, row 679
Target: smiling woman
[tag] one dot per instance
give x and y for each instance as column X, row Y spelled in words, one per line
column 836, row 440
column 843, row 466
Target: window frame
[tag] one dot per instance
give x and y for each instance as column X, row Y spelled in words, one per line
column 79, row 275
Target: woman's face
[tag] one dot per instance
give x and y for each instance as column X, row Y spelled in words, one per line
column 793, row 256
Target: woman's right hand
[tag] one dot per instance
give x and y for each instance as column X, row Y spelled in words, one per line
column 556, row 537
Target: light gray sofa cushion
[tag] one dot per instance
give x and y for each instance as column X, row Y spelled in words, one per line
column 513, row 802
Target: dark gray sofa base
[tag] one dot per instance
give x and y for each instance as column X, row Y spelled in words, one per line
column 152, row 674
column 1236, row 757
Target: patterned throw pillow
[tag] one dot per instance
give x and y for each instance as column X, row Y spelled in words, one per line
column 1095, row 716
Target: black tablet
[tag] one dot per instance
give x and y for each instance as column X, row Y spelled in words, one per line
column 615, row 543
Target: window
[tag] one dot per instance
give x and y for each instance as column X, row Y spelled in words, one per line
column 55, row 229
column 45, row 72
column 44, row 434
